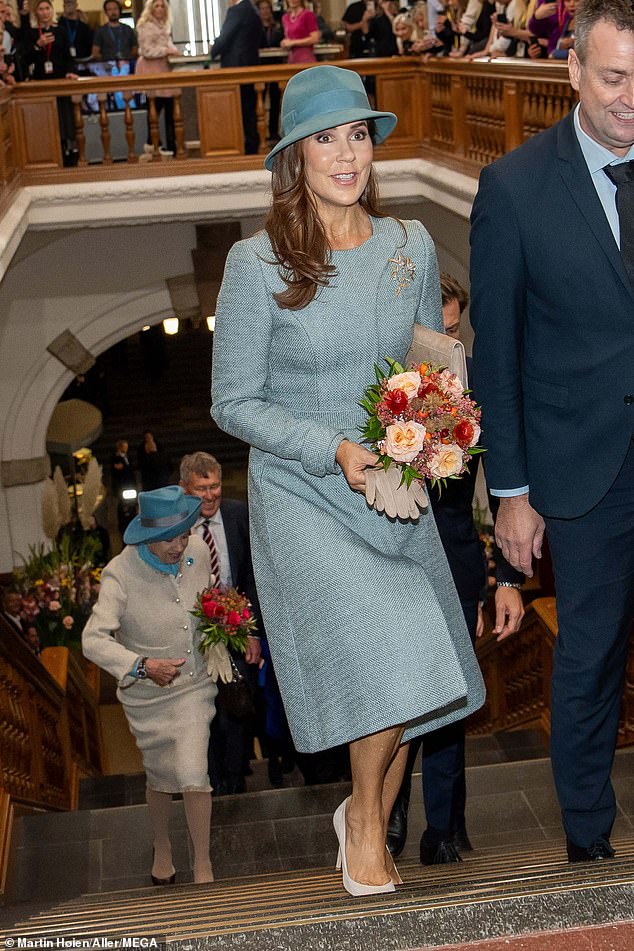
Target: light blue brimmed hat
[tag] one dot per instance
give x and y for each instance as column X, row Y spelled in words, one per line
column 323, row 97
column 163, row 514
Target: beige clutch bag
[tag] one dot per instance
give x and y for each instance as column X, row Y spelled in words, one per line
column 428, row 346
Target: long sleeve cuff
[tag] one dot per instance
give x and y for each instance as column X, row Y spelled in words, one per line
column 509, row 493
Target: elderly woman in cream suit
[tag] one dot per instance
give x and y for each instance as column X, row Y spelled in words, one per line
column 141, row 631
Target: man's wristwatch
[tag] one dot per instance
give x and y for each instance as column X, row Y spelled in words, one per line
column 141, row 672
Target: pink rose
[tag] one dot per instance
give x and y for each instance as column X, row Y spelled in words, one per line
column 408, row 382
column 446, row 461
column 68, row 622
column 403, row 441
column 54, row 605
column 451, row 384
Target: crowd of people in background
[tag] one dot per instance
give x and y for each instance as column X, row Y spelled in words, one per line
column 469, row 29
column 37, row 43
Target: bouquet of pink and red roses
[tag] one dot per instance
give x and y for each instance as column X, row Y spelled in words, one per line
column 421, row 421
column 224, row 617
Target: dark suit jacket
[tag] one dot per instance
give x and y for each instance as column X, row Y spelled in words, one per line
column 553, row 312
column 239, row 39
column 235, row 518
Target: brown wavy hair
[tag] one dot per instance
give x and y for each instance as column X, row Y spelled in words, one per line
column 296, row 231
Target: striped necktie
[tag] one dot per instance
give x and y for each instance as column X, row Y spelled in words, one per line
column 623, row 177
column 209, row 540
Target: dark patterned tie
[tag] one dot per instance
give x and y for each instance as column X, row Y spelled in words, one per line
column 623, row 177
column 209, row 539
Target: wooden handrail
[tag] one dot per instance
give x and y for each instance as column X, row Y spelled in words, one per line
column 461, row 114
column 49, row 731
column 517, row 673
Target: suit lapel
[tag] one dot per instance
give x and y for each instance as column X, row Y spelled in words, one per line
column 578, row 181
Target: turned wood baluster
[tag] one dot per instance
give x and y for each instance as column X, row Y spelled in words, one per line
column 105, row 128
column 260, row 113
column 80, row 135
column 179, row 129
column 154, row 123
column 129, row 126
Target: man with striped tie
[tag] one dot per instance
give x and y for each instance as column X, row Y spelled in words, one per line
column 224, row 526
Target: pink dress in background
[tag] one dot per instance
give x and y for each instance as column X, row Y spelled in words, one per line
column 299, row 28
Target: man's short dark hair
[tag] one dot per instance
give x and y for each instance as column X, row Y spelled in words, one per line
column 106, row 2
column 590, row 12
column 451, row 289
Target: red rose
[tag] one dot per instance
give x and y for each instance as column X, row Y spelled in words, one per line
column 427, row 387
column 246, row 614
column 205, row 597
column 233, row 618
column 219, row 609
column 396, row 401
column 463, row 432
column 209, row 608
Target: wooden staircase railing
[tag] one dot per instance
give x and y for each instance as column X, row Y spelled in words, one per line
column 49, row 731
column 517, row 674
column 462, row 114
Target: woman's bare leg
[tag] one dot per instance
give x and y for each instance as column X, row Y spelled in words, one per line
column 366, row 820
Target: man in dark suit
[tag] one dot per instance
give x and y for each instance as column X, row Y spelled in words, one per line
column 238, row 44
column 553, row 313
column 224, row 525
column 443, row 763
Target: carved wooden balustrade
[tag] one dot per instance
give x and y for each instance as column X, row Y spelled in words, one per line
column 517, row 674
column 49, row 731
column 462, row 114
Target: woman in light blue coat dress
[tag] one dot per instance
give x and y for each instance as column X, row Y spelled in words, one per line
column 365, row 628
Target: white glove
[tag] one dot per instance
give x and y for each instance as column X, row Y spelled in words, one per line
column 219, row 664
column 384, row 492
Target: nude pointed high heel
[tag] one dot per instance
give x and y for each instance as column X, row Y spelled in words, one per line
column 394, row 874
column 353, row 888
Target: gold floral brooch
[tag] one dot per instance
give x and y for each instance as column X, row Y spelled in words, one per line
column 403, row 271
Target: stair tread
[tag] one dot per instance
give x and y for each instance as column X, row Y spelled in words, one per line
column 289, row 899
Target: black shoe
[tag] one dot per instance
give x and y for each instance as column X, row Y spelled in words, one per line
column 600, row 849
column 461, row 840
column 275, row 773
column 163, row 881
column 397, row 827
column 441, row 853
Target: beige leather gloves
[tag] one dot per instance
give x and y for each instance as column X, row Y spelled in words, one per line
column 384, row 492
column 218, row 663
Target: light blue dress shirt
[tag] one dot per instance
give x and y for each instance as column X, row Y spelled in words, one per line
column 596, row 157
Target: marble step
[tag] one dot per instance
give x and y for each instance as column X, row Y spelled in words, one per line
column 518, row 891
column 63, row 855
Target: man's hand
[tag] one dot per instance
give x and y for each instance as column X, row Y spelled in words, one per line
column 509, row 611
column 519, row 532
column 253, row 652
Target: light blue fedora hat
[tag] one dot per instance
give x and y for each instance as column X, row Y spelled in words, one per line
column 323, row 97
column 163, row 514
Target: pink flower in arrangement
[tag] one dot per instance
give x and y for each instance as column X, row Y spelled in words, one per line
column 446, row 462
column 68, row 622
column 246, row 614
column 54, row 605
column 403, row 441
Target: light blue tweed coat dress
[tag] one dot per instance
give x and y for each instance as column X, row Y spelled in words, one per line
column 364, row 624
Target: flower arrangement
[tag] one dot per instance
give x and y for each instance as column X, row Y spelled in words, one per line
column 421, row 420
column 224, row 617
column 59, row 588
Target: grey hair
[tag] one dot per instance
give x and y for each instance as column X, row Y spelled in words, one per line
column 590, row 12
column 198, row 464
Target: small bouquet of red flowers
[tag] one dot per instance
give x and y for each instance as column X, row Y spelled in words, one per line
column 421, row 421
column 224, row 617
